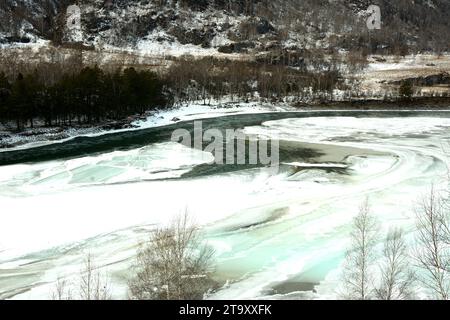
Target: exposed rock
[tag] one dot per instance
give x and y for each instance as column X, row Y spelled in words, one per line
column 201, row 37
column 379, row 59
column 126, row 22
column 263, row 26
column 239, row 47
column 18, row 39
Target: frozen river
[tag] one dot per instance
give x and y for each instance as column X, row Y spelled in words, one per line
column 276, row 234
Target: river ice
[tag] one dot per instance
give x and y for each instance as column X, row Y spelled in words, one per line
column 275, row 235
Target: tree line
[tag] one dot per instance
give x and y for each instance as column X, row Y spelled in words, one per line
column 394, row 269
column 76, row 91
column 88, row 96
column 72, row 92
column 209, row 79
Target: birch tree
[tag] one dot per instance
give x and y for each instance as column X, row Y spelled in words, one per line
column 397, row 278
column 432, row 245
column 359, row 262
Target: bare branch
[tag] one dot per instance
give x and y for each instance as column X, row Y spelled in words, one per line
column 432, row 252
column 173, row 265
column 357, row 277
column 396, row 276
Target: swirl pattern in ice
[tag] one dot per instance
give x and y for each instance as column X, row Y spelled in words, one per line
column 276, row 235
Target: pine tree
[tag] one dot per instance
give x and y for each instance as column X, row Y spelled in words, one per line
column 406, row 89
column 5, row 93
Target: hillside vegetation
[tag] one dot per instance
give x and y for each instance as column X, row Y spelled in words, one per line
column 236, row 25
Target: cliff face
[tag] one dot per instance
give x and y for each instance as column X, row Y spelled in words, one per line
column 29, row 20
column 233, row 25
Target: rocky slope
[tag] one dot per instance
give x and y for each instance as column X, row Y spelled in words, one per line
column 233, row 26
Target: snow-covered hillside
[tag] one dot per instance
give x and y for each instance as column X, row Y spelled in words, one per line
column 234, row 26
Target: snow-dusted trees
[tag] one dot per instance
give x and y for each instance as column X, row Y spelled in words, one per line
column 269, row 77
column 396, row 278
column 174, row 264
column 91, row 284
column 62, row 290
column 433, row 245
column 393, row 279
column 358, row 269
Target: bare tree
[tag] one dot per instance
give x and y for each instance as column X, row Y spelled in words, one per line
column 432, row 252
column 62, row 290
column 173, row 265
column 93, row 285
column 397, row 278
column 357, row 273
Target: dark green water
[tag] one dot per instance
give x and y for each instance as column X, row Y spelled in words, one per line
column 83, row 146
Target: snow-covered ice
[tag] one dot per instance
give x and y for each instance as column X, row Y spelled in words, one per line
column 271, row 231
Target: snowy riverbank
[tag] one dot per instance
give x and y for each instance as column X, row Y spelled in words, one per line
column 40, row 136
